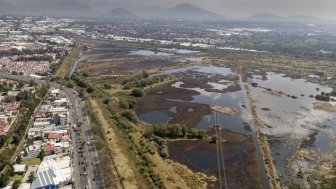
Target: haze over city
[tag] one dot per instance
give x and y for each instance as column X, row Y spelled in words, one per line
column 229, row 8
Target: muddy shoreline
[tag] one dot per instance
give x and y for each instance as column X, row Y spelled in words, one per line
column 241, row 166
column 165, row 97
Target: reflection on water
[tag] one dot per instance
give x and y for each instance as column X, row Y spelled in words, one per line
column 154, row 117
column 287, row 122
column 179, row 51
column 292, row 119
column 149, row 53
column 209, row 70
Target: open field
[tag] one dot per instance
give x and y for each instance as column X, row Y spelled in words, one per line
column 115, row 58
column 31, row 161
column 124, row 166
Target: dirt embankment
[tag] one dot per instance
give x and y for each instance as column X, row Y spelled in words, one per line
column 225, row 110
column 175, row 175
column 263, row 143
column 323, row 106
column 125, row 168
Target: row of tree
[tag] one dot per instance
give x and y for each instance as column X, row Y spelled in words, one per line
column 142, row 82
column 35, row 58
column 82, row 83
column 176, row 131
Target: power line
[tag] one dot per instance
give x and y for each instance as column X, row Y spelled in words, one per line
column 221, row 150
column 217, row 145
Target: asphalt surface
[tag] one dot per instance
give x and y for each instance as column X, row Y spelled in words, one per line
column 85, row 156
column 84, row 153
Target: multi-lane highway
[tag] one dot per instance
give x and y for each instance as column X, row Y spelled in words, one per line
column 86, row 156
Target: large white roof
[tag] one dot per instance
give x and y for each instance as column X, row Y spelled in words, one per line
column 53, row 170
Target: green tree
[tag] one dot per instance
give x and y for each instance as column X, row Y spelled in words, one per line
column 41, row 154
column 130, row 115
column 32, row 82
column 18, row 160
column 16, row 184
column 123, row 104
column 89, row 89
column 4, row 179
column 31, row 177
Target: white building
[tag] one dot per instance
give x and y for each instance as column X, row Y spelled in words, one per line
column 54, row 170
column 55, row 92
column 20, row 168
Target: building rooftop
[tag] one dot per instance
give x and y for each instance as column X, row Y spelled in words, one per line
column 53, row 170
column 19, row 168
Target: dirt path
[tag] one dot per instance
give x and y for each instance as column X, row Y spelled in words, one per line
column 263, row 143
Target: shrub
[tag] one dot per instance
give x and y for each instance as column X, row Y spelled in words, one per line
column 16, row 184
column 131, row 104
column 164, row 151
column 138, row 92
column 70, row 85
column 150, row 148
column 130, row 115
column 31, row 177
column 123, row 104
column 106, row 101
column 107, row 86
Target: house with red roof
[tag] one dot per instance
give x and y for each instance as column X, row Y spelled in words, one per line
column 4, row 126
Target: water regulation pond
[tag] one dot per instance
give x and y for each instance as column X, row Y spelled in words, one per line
column 288, row 117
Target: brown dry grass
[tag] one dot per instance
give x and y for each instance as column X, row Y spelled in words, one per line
column 124, row 166
column 225, row 110
column 69, row 60
column 323, row 106
column 175, row 175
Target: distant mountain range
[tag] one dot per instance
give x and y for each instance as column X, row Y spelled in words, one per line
column 267, row 17
column 179, row 12
column 189, row 12
column 47, row 7
column 119, row 13
column 116, row 11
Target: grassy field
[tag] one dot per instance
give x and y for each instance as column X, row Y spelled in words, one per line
column 31, row 161
column 122, row 160
column 17, row 177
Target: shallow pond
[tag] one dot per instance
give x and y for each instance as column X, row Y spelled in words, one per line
column 240, row 125
column 154, row 117
column 149, row 53
column 290, row 120
column 287, row 120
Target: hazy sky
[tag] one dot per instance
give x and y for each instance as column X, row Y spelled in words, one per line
column 320, row 8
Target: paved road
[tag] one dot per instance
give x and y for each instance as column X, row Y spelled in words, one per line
column 85, row 154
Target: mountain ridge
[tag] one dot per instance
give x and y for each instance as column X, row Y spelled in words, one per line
column 119, row 13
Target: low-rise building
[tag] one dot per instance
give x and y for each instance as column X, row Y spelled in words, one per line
column 54, row 171
column 18, row 168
